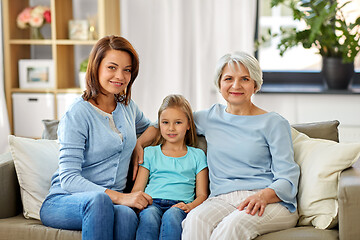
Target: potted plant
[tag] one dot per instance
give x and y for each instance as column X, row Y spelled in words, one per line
column 82, row 73
column 336, row 39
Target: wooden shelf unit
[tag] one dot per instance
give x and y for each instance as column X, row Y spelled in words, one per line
column 17, row 44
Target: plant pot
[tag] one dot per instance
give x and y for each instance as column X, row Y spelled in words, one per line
column 337, row 74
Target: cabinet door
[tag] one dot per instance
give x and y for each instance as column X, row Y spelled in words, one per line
column 29, row 111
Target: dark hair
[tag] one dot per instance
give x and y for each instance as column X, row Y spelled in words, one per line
column 97, row 54
column 178, row 101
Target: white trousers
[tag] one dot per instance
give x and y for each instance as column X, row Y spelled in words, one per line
column 218, row 218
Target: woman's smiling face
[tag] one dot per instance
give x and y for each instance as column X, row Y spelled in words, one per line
column 236, row 86
column 115, row 72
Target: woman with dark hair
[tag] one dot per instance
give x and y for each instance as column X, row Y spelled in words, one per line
column 97, row 136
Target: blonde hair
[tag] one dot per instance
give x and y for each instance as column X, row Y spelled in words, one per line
column 248, row 61
column 178, row 101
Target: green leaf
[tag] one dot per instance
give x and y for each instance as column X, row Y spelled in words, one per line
column 326, row 28
column 276, row 2
column 83, row 65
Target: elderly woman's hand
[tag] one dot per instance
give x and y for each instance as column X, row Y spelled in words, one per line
column 258, row 201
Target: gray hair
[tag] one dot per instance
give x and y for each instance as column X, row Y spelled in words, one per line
column 248, row 61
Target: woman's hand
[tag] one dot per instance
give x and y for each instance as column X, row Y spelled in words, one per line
column 137, row 158
column 185, row 207
column 258, row 201
column 139, row 200
column 143, row 141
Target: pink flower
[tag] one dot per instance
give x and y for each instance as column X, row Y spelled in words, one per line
column 47, row 16
column 34, row 17
column 24, row 17
column 36, row 20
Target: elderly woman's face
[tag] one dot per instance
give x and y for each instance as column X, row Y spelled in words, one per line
column 236, row 86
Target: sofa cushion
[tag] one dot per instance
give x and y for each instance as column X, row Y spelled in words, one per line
column 18, row 227
column 50, row 129
column 35, row 162
column 324, row 130
column 301, row 233
column 321, row 162
column 9, row 196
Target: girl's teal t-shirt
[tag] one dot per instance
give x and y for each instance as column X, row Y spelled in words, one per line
column 173, row 178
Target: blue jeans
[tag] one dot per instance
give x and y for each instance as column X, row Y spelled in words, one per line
column 93, row 213
column 160, row 221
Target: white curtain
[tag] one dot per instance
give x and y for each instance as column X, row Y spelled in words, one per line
column 4, row 121
column 179, row 42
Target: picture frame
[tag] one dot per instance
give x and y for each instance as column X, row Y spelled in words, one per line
column 36, row 73
column 78, row 29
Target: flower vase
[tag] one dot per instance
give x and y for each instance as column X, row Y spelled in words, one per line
column 35, row 33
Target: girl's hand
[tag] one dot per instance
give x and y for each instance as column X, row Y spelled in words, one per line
column 139, row 200
column 185, row 207
column 258, row 201
column 137, row 158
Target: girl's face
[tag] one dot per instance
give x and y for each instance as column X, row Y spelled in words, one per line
column 173, row 125
column 236, row 86
column 115, row 72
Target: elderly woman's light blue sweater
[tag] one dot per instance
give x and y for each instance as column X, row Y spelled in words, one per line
column 249, row 152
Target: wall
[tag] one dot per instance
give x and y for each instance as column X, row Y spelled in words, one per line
column 297, row 108
column 306, row 108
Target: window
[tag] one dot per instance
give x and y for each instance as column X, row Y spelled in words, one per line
column 298, row 65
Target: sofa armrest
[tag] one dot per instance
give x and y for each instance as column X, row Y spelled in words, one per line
column 10, row 202
column 349, row 203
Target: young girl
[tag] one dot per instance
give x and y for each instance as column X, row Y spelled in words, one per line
column 171, row 172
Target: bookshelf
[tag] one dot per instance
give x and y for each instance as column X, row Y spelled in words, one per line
column 18, row 45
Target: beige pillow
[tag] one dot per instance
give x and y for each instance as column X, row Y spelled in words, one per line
column 321, row 162
column 35, row 162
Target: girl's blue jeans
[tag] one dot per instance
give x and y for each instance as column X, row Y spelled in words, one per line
column 93, row 213
column 160, row 221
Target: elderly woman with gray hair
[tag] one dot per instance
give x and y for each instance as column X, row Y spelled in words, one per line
column 253, row 175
